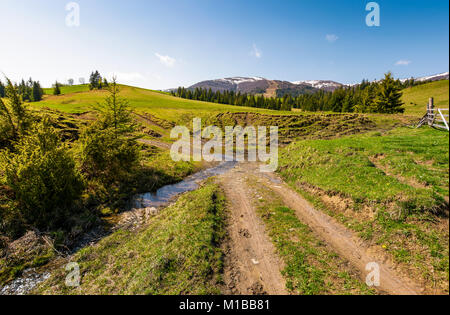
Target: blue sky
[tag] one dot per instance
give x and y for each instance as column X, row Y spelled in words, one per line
column 167, row 43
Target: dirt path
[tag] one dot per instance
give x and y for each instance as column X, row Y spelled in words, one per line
column 343, row 241
column 251, row 264
column 155, row 143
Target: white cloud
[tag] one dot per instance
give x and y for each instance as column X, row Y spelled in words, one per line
column 256, row 52
column 166, row 60
column 403, row 63
column 331, row 38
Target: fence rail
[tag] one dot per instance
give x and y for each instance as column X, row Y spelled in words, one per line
column 435, row 117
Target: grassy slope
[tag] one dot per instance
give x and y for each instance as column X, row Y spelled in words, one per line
column 416, row 98
column 419, row 155
column 177, row 253
column 69, row 89
column 77, row 99
column 407, row 177
column 386, row 187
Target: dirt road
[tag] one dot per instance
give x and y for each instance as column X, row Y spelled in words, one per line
column 252, row 265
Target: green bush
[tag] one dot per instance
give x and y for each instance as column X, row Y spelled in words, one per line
column 42, row 175
column 106, row 157
column 108, row 153
column 15, row 118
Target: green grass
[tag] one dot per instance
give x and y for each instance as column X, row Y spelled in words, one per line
column 166, row 108
column 345, row 165
column 392, row 189
column 416, row 98
column 69, row 89
column 77, row 99
column 311, row 267
column 177, row 253
column 402, row 174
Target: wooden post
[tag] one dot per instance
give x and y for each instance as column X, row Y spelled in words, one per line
column 431, row 111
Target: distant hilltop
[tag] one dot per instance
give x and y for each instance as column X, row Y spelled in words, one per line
column 278, row 88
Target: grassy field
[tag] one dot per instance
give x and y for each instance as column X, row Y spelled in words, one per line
column 176, row 253
column 392, row 189
column 77, row 99
column 416, row 98
column 160, row 112
column 69, row 89
column 389, row 184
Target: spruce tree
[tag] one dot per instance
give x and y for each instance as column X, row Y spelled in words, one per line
column 15, row 118
column 347, row 105
column 2, row 90
column 57, row 89
column 27, row 96
column 95, row 80
column 388, row 97
column 37, row 92
column 108, row 152
column 116, row 113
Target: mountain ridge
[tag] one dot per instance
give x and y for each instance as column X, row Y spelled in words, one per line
column 279, row 88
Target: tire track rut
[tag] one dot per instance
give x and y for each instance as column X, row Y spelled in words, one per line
column 252, row 266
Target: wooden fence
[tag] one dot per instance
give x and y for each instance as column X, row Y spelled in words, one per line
column 435, row 117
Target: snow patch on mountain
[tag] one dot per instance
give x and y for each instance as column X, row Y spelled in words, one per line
column 434, row 77
column 239, row 80
column 320, row 84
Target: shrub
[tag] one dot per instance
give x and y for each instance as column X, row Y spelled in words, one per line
column 108, row 151
column 43, row 178
column 106, row 157
column 15, row 118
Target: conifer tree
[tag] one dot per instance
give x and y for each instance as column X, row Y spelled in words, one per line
column 116, row 113
column 347, row 105
column 2, row 89
column 14, row 116
column 388, row 98
column 95, row 80
column 37, row 92
column 108, row 152
column 56, row 89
